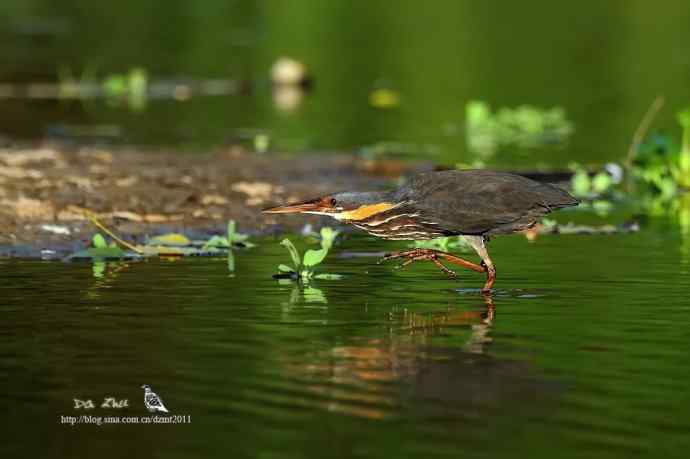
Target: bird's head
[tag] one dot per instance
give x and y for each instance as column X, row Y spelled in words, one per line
column 346, row 206
column 146, row 387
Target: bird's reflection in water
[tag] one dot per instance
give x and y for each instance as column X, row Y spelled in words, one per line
column 438, row 357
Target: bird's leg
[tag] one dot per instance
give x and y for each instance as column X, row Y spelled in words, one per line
column 479, row 245
column 490, row 276
column 450, row 258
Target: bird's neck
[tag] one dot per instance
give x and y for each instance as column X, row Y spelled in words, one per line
column 374, row 197
column 370, row 203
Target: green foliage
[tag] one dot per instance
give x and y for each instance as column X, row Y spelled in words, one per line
column 525, row 126
column 100, row 251
column 583, row 186
column 98, row 241
column 660, row 166
column 166, row 245
column 444, row 244
column 170, row 240
column 303, row 269
column 659, row 173
column 132, row 87
column 682, row 171
column 232, row 239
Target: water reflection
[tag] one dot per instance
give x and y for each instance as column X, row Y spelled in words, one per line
column 439, row 356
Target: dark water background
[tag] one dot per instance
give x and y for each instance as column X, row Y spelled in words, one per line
column 603, row 62
column 586, row 354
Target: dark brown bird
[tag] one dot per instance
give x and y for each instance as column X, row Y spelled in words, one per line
column 475, row 204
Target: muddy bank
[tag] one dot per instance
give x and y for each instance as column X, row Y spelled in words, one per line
column 44, row 189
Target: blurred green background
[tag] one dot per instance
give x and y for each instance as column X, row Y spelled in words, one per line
column 602, row 63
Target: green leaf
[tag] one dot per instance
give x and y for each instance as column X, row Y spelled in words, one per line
column 171, row 239
column 293, row 253
column 237, row 237
column 314, row 257
column 99, row 241
column 580, row 183
column 285, row 268
column 601, row 182
column 326, row 276
column 216, row 241
column 328, row 235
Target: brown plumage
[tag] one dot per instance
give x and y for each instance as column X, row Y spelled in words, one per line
column 471, row 203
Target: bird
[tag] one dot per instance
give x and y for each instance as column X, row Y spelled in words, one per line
column 152, row 401
column 474, row 203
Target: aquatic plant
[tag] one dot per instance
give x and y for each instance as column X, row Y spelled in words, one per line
column 232, row 239
column 444, row 244
column 170, row 245
column 303, row 268
column 660, row 166
column 100, row 250
column 524, row 126
column 582, row 185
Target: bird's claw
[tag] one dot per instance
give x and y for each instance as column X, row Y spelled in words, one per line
column 389, row 256
column 417, row 255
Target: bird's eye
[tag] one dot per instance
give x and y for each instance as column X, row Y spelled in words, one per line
column 333, row 202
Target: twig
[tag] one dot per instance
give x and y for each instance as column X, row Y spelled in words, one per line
column 93, row 219
column 641, row 131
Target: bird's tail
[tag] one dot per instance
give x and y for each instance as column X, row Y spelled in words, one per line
column 558, row 197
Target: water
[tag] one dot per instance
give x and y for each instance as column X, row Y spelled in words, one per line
column 585, row 355
column 602, row 62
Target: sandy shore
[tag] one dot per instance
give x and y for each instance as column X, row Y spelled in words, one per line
column 44, row 189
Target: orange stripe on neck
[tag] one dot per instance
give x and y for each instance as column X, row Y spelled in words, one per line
column 363, row 212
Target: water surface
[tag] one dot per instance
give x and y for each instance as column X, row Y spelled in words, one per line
column 582, row 348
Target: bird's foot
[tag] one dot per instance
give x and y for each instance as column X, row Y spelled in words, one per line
column 417, row 255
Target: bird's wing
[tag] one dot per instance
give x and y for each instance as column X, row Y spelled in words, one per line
column 475, row 202
column 154, row 401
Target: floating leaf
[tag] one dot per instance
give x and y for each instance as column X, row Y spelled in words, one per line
column 216, row 241
column 171, row 239
column 285, row 268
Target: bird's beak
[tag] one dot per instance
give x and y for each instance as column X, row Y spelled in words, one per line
column 307, row 206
